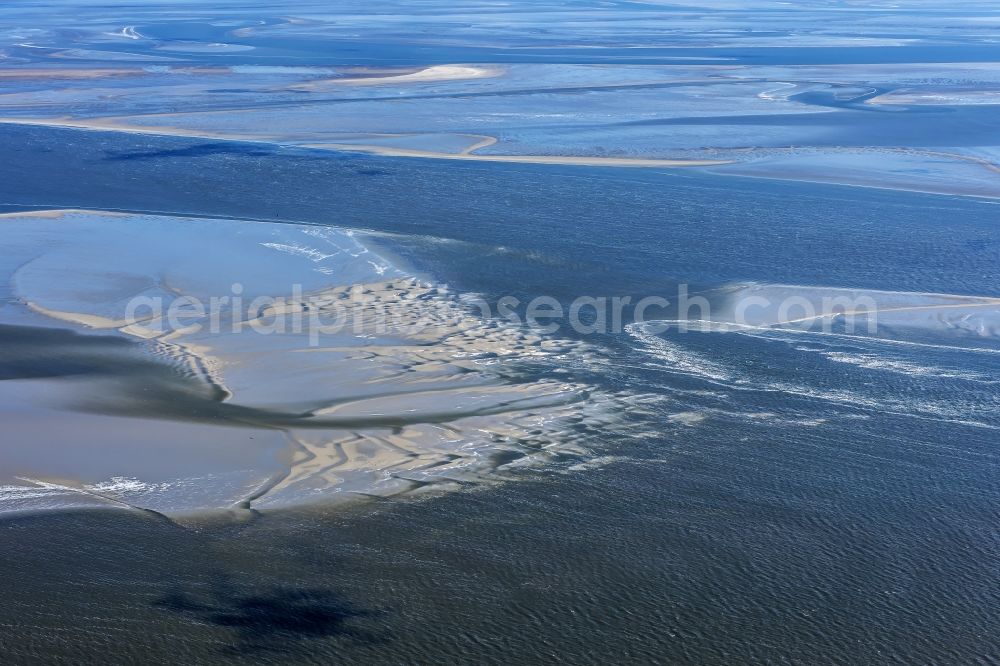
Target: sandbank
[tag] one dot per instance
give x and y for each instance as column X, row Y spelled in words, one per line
column 385, row 385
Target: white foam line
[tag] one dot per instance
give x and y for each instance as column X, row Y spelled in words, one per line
column 767, row 94
column 300, row 250
column 679, row 359
column 842, row 398
column 78, row 491
column 709, row 326
column 874, row 362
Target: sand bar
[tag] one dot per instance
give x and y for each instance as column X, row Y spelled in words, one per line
column 403, row 388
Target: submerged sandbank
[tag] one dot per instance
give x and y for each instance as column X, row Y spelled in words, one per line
column 326, row 372
column 115, row 125
column 580, row 160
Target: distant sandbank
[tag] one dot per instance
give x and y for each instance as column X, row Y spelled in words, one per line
column 426, row 75
column 114, row 125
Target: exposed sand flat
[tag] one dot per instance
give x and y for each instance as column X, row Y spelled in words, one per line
column 444, row 142
column 114, row 125
column 402, row 387
column 426, row 75
column 388, row 462
column 82, row 318
column 859, row 167
column 525, row 159
column 484, row 142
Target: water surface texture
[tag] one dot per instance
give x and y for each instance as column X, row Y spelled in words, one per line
column 698, row 482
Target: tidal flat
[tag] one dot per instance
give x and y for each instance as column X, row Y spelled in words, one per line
column 269, row 391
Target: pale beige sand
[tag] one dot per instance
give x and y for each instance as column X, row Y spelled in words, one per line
column 81, row 318
column 524, row 159
column 426, row 75
column 437, row 371
column 484, row 142
column 409, row 393
column 452, row 414
column 116, row 125
column 366, row 141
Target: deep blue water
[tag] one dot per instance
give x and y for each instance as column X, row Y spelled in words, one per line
column 838, row 504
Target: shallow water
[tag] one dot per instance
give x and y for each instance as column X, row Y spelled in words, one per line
column 795, row 497
column 709, row 485
column 895, row 97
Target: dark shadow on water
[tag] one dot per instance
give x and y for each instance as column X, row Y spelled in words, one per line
column 244, row 149
column 198, row 150
column 29, row 352
column 281, row 620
